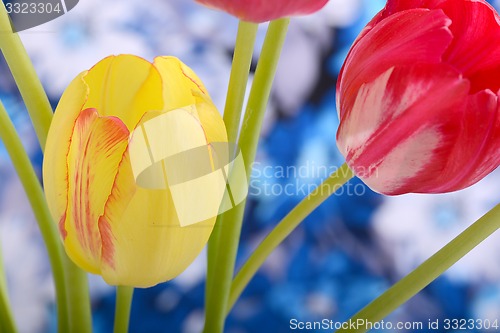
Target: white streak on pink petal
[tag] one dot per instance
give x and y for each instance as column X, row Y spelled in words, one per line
column 366, row 114
column 405, row 161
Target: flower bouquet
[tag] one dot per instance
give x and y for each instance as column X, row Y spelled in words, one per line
column 141, row 172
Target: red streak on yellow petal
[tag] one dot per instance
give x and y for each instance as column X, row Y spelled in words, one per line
column 123, row 190
column 97, row 147
column 62, row 228
column 107, row 241
column 82, row 217
column 202, row 89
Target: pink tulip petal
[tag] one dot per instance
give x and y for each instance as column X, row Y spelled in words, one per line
column 475, row 25
column 411, row 37
column 394, row 6
column 391, row 140
column 265, row 10
column 475, row 50
column 477, row 144
column 485, row 105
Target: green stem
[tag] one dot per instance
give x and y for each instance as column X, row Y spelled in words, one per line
column 261, row 90
column 40, row 112
column 284, row 228
column 78, row 297
column 427, row 272
column 243, row 52
column 231, row 221
column 33, row 190
column 123, row 304
column 7, row 323
column 24, row 74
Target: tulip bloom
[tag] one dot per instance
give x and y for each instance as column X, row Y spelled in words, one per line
column 261, row 11
column 110, row 225
column 418, row 97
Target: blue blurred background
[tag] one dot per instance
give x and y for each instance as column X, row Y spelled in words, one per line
column 345, row 254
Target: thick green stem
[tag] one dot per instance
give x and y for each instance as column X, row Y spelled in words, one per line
column 231, row 221
column 243, row 52
column 33, row 190
column 291, row 221
column 7, row 323
column 22, row 69
column 123, row 304
column 427, row 272
column 78, row 297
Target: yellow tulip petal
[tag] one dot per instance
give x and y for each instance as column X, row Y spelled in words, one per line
column 96, row 151
column 195, row 80
column 182, row 88
column 159, row 137
column 124, row 86
column 56, row 149
column 171, row 150
column 148, row 244
column 178, row 86
column 210, row 118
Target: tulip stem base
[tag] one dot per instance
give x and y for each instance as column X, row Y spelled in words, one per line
column 427, row 272
column 124, row 297
column 7, row 323
column 230, row 223
column 285, row 227
column 242, row 60
column 79, row 298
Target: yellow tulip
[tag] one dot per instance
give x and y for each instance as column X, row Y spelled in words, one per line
column 113, row 220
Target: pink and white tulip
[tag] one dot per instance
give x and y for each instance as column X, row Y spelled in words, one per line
column 418, row 97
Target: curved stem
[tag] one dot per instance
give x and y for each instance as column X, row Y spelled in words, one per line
column 24, row 74
column 231, row 221
column 291, row 221
column 33, row 190
column 40, row 112
column 242, row 60
column 7, row 322
column 124, row 297
column 427, row 272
